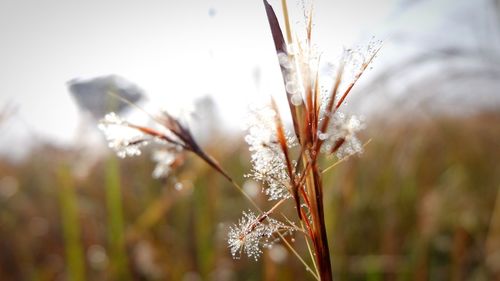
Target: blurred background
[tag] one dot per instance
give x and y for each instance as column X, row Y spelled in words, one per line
column 421, row 203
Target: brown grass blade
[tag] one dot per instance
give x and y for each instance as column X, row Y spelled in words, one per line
column 309, row 24
column 187, row 141
column 281, row 47
column 356, row 78
column 156, row 134
column 333, row 94
column 279, row 40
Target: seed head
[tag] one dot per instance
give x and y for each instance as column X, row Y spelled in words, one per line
column 165, row 160
column 125, row 141
column 268, row 161
column 251, row 233
column 341, row 137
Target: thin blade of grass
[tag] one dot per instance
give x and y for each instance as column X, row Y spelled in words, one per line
column 341, row 160
column 331, row 102
column 290, row 247
column 309, row 24
column 311, row 254
column 288, row 28
column 356, row 78
column 71, row 227
column 116, row 235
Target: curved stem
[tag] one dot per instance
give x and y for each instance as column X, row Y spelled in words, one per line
column 308, row 268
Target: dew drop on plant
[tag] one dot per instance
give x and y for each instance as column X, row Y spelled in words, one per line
column 296, row 99
column 284, row 61
column 178, row 186
column 291, row 87
column 290, row 76
column 322, row 136
column 251, row 188
column 278, row 253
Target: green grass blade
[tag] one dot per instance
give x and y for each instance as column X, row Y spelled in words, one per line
column 116, row 235
column 71, row 229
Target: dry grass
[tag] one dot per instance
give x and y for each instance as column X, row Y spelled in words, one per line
column 417, row 205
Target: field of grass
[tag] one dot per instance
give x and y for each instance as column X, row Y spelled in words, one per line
column 422, row 203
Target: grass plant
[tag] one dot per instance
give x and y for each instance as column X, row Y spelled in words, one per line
column 421, row 204
column 286, row 163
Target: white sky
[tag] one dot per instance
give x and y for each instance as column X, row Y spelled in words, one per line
column 173, row 50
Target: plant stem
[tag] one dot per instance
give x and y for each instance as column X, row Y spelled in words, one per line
column 319, row 237
column 311, row 254
column 322, row 249
column 71, row 227
column 116, row 238
column 308, row 268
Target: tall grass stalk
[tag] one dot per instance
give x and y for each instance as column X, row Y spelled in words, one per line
column 286, row 163
column 312, row 119
column 71, row 227
column 116, row 233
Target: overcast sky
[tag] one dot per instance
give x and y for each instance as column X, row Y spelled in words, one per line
column 174, row 50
